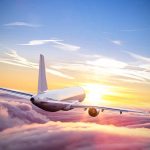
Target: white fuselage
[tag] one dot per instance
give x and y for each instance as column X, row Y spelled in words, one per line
column 60, row 99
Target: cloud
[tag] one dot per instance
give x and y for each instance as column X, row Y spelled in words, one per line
column 58, row 135
column 17, row 60
column 55, row 43
column 106, row 118
column 107, row 63
column 144, row 125
column 138, row 57
column 95, row 66
column 141, row 62
column 65, row 46
column 24, row 24
column 21, row 123
column 39, row 42
column 117, row 42
column 13, row 113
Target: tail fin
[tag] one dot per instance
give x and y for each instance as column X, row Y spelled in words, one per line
column 42, row 83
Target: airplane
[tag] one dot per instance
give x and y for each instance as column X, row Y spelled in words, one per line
column 61, row 99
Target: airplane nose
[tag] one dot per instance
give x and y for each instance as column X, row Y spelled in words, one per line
column 32, row 99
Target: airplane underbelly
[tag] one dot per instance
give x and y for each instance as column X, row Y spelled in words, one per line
column 49, row 107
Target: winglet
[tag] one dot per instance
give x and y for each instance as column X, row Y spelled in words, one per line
column 42, row 83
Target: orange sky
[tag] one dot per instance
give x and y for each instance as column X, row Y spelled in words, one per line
column 101, row 92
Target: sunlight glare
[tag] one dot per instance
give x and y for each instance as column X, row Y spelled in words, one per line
column 95, row 92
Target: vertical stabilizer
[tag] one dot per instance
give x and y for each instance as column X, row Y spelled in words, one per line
column 42, row 83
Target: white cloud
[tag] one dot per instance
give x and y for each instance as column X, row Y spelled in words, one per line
column 138, row 57
column 117, row 42
column 58, row 73
column 95, row 67
column 39, row 42
column 107, row 63
column 16, row 60
column 25, row 24
column 56, row 43
column 65, row 46
column 104, row 67
column 141, row 61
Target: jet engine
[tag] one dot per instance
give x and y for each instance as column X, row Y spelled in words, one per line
column 93, row 111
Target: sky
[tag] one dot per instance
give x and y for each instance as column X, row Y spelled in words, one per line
column 100, row 45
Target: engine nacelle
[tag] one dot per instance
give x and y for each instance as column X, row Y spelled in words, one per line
column 93, row 112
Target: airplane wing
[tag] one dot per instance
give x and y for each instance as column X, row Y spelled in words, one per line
column 76, row 104
column 17, row 93
column 102, row 108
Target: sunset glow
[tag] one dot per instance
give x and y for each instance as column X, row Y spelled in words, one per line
column 95, row 93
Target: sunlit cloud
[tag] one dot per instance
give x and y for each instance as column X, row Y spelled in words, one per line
column 89, row 135
column 21, row 123
column 138, row 57
column 102, row 66
column 92, row 66
column 117, row 42
column 142, row 62
column 55, row 43
column 107, row 63
column 14, row 59
column 65, row 46
column 20, row 23
column 39, row 42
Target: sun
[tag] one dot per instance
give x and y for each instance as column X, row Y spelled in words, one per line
column 95, row 92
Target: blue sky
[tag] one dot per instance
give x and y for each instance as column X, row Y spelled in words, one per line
column 90, row 24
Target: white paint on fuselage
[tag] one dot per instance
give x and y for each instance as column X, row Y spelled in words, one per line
column 62, row 94
column 49, row 99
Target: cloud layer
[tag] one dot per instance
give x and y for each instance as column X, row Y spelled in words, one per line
column 96, row 66
column 57, row 135
column 56, row 43
column 27, row 127
column 14, row 59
